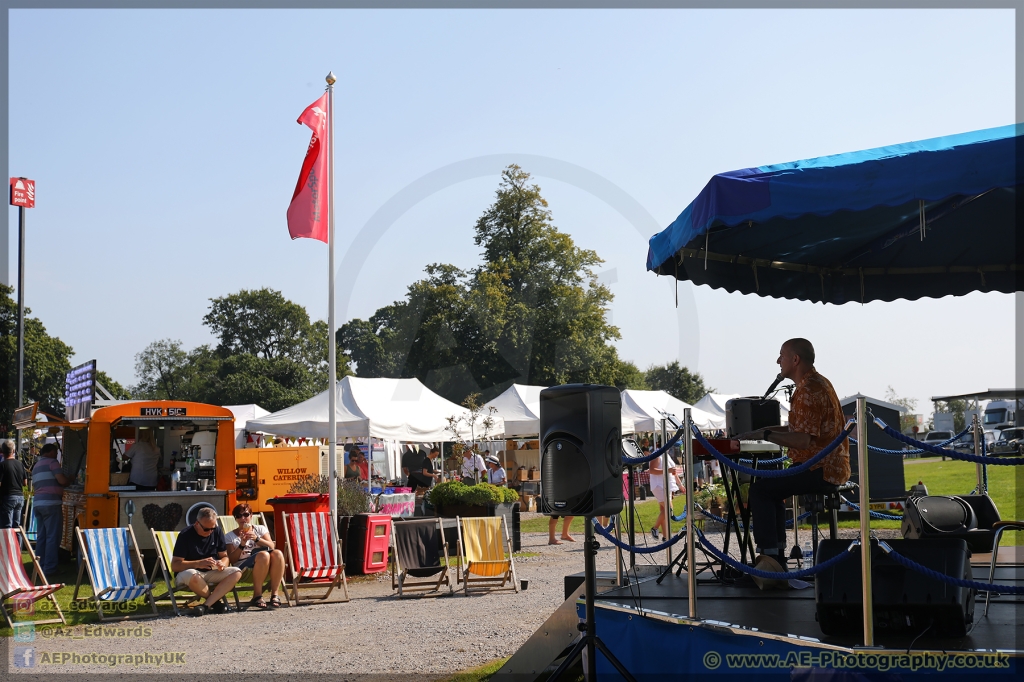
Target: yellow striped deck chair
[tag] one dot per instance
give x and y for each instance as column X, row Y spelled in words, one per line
column 164, row 541
column 227, row 524
column 483, row 542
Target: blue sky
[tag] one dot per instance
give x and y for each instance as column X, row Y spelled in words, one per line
column 165, row 150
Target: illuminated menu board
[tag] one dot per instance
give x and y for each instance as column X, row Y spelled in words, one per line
column 80, row 391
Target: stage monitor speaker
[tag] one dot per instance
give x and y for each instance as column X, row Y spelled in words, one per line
column 750, row 414
column 968, row 517
column 581, row 450
column 905, row 601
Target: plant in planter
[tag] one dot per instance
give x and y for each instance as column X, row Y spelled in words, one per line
column 453, row 495
column 352, row 499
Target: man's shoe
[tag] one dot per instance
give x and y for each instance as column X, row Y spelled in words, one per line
column 221, row 607
column 198, row 610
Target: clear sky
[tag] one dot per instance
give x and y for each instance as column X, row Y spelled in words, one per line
column 165, row 150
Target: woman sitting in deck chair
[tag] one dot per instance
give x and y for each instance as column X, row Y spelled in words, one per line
column 250, row 546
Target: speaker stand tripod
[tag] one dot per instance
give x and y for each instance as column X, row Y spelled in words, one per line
column 590, row 641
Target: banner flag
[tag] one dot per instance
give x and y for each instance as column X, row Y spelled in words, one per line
column 308, row 212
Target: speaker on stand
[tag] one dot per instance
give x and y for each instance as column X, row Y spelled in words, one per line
column 581, row 475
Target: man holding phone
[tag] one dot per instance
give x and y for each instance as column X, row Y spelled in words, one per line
column 200, row 562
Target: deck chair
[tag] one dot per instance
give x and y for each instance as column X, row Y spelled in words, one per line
column 164, row 541
column 417, row 547
column 313, row 556
column 228, row 524
column 15, row 585
column 482, row 552
column 30, row 533
column 112, row 560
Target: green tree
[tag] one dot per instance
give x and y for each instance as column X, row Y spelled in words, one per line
column 261, row 322
column 677, row 381
column 47, row 360
column 117, row 390
column 531, row 312
column 908, row 419
column 161, row 369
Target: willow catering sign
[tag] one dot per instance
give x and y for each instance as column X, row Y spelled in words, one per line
column 80, row 391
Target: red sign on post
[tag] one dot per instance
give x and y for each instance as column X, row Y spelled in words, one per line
column 23, row 192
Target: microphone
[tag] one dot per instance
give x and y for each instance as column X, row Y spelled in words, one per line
column 778, row 380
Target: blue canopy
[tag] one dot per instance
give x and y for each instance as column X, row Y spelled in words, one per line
column 930, row 218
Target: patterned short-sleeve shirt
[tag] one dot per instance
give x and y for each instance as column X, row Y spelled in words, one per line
column 816, row 411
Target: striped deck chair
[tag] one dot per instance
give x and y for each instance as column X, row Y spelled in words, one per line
column 314, row 555
column 482, row 551
column 112, row 559
column 15, row 586
column 227, row 524
column 417, row 548
column 30, row 534
column 164, row 541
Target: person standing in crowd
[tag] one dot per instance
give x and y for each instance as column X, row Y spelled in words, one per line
column 48, row 481
column 552, row 523
column 12, row 482
column 495, row 472
column 473, row 467
column 658, row 490
column 411, row 459
column 145, row 458
column 423, row 473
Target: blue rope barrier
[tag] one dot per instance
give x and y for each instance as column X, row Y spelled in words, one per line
column 960, row 582
column 773, row 473
column 632, row 461
column 874, row 514
column 777, row 460
column 638, row 550
column 952, row 454
column 770, row 575
column 884, row 451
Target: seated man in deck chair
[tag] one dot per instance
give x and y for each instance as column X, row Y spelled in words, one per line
column 815, row 420
column 200, row 561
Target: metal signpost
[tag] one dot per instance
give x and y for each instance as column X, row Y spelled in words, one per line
column 23, row 195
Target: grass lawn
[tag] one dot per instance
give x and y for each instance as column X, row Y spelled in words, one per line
column 480, row 674
column 941, row 478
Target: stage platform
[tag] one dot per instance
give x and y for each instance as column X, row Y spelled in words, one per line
column 776, row 632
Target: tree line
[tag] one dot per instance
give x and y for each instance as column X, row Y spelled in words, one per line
column 532, row 312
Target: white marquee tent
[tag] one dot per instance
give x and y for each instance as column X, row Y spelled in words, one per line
column 519, row 408
column 389, row 409
column 640, row 411
column 243, row 413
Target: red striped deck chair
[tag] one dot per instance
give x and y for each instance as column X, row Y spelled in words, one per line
column 483, row 541
column 111, row 558
column 15, row 587
column 314, row 556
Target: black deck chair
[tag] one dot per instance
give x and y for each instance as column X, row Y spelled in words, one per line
column 418, row 547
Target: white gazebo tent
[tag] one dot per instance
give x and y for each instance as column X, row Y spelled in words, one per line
column 519, row 408
column 714, row 405
column 641, row 411
column 244, row 413
column 401, row 410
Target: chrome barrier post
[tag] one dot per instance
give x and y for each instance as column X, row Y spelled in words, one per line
column 665, row 459
column 865, row 522
column 978, row 435
column 796, row 523
column 691, row 574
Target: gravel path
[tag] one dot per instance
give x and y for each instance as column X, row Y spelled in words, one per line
column 373, row 637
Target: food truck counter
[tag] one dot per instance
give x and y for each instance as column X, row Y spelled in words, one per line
column 166, row 510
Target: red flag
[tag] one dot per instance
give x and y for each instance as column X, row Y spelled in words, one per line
column 308, row 212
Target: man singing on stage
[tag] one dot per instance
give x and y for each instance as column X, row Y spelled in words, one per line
column 815, row 419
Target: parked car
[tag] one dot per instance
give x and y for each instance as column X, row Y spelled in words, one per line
column 935, row 438
column 1010, row 442
column 966, row 442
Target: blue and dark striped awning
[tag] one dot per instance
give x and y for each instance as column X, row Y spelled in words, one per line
column 931, row 218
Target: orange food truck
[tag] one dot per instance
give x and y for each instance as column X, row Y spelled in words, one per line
column 194, row 439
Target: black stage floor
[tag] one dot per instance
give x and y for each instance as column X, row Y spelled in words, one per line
column 792, row 612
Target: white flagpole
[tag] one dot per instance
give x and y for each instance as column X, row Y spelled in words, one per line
column 332, row 370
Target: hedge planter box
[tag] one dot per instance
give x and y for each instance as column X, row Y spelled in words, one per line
column 510, row 510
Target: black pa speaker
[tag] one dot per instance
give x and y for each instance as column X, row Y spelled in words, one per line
column 581, row 450
column 750, row 414
column 968, row 517
column 906, row 602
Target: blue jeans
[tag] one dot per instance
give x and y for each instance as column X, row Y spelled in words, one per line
column 49, row 520
column 10, row 511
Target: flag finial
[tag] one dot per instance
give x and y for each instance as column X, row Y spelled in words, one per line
column 330, row 78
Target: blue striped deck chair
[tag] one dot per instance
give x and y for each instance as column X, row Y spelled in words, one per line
column 112, row 559
column 30, row 533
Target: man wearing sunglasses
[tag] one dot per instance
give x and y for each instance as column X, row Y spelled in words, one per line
column 200, row 562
